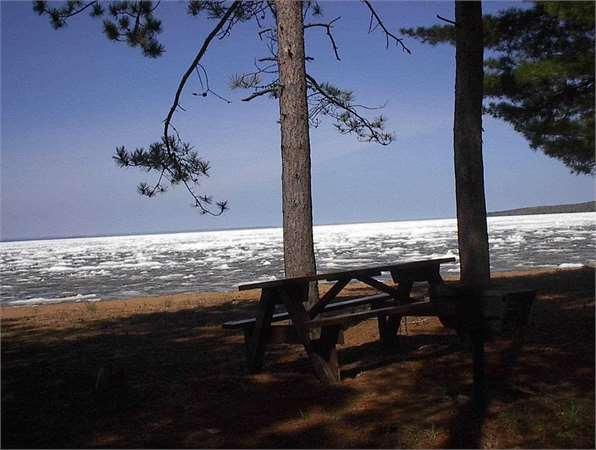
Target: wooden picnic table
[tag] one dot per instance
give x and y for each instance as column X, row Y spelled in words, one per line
column 392, row 302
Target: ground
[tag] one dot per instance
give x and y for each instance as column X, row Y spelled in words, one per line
column 162, row 372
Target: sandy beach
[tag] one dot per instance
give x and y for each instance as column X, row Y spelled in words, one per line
column 161, row 372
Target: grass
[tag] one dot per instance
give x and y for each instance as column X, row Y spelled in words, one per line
column 432, row 434
column 571, row 413
column 550, row 422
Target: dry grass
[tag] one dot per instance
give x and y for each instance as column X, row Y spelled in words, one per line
column 161, row 372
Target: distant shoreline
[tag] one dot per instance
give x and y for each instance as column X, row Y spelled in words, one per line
column 532, row 210
column 569, row 208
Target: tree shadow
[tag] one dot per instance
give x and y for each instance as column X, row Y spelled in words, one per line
column 176, row 379
column 517, row 371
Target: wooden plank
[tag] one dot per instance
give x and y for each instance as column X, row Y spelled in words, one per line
column 329, row 295
column 434, row 285
column 404, row 288
column 389, row 325
column 261, row 330
column 378, row 285
column 333, row 306
column 326, row 348
column 351, row 273
column 243, row 323
column 427, row 273
column 329, row 276
column 373, row 272
column 418, row 308
column 389, row 267
column 388, row 329
column 293, row 296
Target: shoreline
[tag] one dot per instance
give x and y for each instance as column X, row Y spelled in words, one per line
column 214, row 298
column 161, row 372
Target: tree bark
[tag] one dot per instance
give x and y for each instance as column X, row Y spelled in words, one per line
column 467, row 144
column 299, row 256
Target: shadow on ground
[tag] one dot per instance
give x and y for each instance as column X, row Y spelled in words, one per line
column 176, row 379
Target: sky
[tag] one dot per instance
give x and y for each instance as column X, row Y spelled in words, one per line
column 70, row 97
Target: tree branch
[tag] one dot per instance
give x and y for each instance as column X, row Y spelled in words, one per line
column 259, row 93
column 446, row 20
column 80, row 10
column 388, row 34
column 192, row 67
column 328, row 27
column 176, row 103
column 363, row 122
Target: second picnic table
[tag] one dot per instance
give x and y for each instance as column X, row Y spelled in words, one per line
column 392, row 302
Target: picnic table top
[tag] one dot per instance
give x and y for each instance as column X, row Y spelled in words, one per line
column 351, row 273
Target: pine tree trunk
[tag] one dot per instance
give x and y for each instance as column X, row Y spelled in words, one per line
column 299, row 256
column 467, row 143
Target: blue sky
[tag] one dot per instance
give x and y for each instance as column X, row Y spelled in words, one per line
column 69, row 97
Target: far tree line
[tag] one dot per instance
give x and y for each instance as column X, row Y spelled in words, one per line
column 536, row 79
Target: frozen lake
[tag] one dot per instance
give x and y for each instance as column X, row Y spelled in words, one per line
column 88, row 269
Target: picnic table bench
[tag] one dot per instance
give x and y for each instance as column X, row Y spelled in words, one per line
column 293, row 294
column 319, row 328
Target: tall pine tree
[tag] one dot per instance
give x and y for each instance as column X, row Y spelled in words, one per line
column 174, row 160
column 539, row 75
column 467, row 146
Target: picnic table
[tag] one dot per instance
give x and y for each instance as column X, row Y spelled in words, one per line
column 329, row 315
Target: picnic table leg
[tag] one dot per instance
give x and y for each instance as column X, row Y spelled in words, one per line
column 389, row 326
column 434, row 281
column 388, row 329
column 325, row 346
column 324, row 362
column 261, row 330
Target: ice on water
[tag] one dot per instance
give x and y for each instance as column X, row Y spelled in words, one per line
column 88, row 269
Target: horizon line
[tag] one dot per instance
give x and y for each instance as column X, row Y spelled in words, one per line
column 258, row 227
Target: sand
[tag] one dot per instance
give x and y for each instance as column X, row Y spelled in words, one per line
column 161, row 372
column 59, row 314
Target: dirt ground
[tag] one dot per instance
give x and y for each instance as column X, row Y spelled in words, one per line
column 161, row 372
